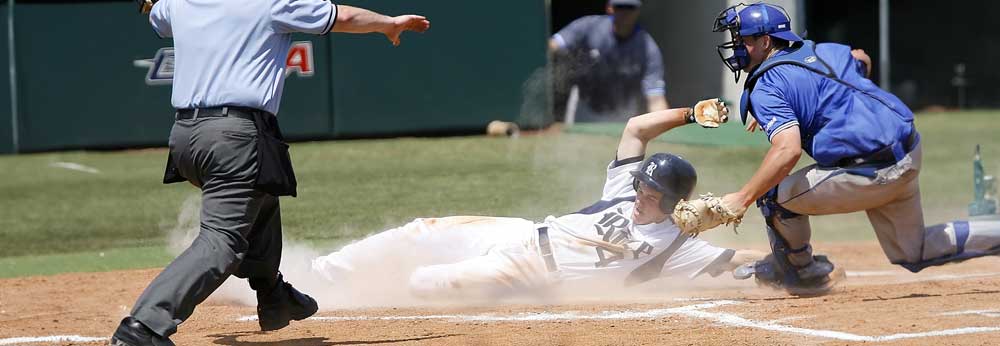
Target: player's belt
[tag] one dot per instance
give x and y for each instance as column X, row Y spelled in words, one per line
column 885, row 156
column 225, row 111
column 545, row 247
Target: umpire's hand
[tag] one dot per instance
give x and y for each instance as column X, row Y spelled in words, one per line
column 406, row 23
column 358, row 20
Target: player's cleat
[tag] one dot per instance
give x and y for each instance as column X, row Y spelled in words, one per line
column 131, row 332
column 282, row 305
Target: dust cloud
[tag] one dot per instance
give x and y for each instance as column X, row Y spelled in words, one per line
column 375, row 285
column 381, row 278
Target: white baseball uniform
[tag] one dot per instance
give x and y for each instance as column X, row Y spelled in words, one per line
column 477, row 255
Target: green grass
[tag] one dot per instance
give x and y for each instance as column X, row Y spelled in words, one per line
column 54, row 220
column 87, row 261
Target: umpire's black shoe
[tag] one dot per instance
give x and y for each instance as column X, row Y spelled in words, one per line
column 282, row 305
column 131, row 332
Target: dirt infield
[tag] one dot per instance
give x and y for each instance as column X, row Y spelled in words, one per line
column 878, row 303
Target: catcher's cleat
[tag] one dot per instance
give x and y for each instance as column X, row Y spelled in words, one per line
column 131, row 332
column 814, row 270
column 282, row 305
column 817, row 278
column 819, row 286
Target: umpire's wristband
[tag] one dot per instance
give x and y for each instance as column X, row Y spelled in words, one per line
column 690, row 116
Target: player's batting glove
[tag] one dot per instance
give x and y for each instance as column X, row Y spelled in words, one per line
column 705, row 213
column 709, row 113
column 145, row 5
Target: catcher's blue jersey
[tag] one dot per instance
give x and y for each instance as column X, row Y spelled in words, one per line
column 822, row 90
column 233, row 52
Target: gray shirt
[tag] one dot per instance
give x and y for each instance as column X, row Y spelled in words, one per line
column 615, row 74
column 230, row 52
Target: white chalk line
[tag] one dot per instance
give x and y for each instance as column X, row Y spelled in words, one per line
column 695, row 311
column 75, row 167
column 791, row 318
column 985, row 313
column 49, row 339
column 946, row 277
column 734, row 320
column 862, row 273
column 916, row 278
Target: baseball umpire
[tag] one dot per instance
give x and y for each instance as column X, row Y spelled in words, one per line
column 817, row 98
column 228, row 79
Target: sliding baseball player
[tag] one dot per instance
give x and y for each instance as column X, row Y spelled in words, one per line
column 627, row 237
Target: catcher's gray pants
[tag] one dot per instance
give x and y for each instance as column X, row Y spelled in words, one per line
column 891, row 199
column 240, row 227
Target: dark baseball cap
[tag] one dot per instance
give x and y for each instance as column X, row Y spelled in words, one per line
column 635, row 3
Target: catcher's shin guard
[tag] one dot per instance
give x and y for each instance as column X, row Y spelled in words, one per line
column 776, row 270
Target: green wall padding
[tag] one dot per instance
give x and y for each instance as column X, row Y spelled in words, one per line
column 466, row 71
column 79, row 86
column 6, row 137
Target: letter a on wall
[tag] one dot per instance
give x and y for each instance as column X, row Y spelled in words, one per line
column 300, row 59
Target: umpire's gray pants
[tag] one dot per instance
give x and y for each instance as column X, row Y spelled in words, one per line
column 240, row 227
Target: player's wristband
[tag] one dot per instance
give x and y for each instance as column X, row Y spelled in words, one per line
column 690, row 116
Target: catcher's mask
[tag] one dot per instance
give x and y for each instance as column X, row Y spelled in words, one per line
column 669, row 174
column 751, row 21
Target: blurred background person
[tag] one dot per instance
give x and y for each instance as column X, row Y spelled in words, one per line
column 613, row 63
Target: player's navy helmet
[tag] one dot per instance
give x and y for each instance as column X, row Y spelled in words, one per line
column 750, row 20
column 669, row 174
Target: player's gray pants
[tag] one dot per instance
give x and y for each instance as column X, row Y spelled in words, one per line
column 240, row 227
column 891, row 197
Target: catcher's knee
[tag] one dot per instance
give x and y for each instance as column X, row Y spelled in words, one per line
column 770, row 208
column 773, row 213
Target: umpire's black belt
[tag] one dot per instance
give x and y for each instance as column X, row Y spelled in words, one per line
column 224, row 111
column 545, row 247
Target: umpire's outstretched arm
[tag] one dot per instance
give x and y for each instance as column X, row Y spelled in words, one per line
column 359, row 20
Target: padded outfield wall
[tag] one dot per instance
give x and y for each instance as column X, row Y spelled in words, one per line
column 6, row 140
column 92, row 74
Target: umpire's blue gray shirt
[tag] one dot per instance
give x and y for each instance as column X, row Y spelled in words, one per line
column 616, row 73
column 231, row 52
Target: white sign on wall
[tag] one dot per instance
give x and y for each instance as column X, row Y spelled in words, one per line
column 161, row 65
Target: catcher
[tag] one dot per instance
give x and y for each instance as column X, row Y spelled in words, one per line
column 631, row 235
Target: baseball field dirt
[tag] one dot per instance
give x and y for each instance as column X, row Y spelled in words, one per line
column 877, row 303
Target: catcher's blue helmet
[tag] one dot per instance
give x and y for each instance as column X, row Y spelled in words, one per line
column 750, row 20
column 669, row 174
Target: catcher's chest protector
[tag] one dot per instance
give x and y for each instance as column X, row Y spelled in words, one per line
column 840, row 115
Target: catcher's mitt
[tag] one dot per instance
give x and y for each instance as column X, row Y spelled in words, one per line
column 705, row 213
column 709, row 113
